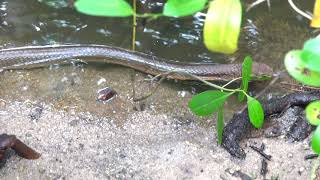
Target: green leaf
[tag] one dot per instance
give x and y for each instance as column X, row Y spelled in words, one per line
column 207, row 102
column 312, row 45
column 246, row 76
column 311, row 54
column 113, row 8
column 297, row 69
column 256, row 113
column 315, row 141
column 178, row 8
column 222, row 26
column 313, row 113
column 311, row 60
column 220, row 124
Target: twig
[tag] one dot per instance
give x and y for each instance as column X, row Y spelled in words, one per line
column 268, row 157
column 257, row 3
column 294, row 7
column 303, row 87
column 311, row 156
column 272, row 82
column 264, row 167
column 163, row 77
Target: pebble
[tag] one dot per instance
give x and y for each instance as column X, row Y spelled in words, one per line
column 301, row 169
column 101, row 81
column 2, row 103
column 182, row 93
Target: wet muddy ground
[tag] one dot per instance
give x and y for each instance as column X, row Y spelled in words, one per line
column 55, row 109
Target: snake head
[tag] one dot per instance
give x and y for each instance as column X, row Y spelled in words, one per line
column 261, row 71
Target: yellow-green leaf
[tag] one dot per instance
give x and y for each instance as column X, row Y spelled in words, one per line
column 313, row 113
column 315, row 22
column 298, row 69
column 222, row 26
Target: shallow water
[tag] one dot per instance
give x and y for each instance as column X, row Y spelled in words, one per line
column 35, row 23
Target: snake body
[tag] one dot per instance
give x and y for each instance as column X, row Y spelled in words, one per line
column 31, row 56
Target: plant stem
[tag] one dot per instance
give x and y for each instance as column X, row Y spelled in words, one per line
column 233, row 80
column 199, row 79
column 166, row 74
column 134, row 26
column 211, row 84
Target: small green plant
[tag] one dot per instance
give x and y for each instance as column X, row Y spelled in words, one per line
column 304, row 66
column 209, row 102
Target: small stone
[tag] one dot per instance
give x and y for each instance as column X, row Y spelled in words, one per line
column 237, row 168
column 36, row 113
column 2, row 103
column 42, row 170
column 64, row 79
column 301, row 169
column 106, row 94
column 101, row 152
column 101, row 81
column 290, row 155
column 306, row 146
column 24, row 88
column 182, row 93
column 122, row 156
column 74, row 122
column 230, row 170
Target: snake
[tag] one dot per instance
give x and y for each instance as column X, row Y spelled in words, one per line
column 33, row 56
